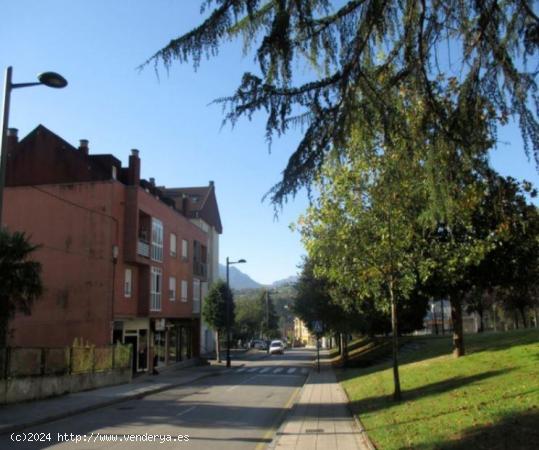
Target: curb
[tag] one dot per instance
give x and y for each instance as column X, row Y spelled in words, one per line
column 363, row 433
column 103, row 404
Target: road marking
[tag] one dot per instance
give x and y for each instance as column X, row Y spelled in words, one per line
column 279, row 369
column 243, row 382
column 265, row 369
column 291, row 370
column 186, row 411
column 240, row 370
column 304, row 370
column 254, row 369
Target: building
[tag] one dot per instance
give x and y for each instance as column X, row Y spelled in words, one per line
column 121, row 260
column 200, row 205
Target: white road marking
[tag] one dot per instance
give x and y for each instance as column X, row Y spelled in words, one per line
column 304, row 370
column 243, row 382
column 241, row 369
column 186, row 411
column 279, row 369
column 291, row 370
column 254, row 369
column 265, row 369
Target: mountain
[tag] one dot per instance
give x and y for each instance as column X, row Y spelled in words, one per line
column 238, row 280
column 285, row 281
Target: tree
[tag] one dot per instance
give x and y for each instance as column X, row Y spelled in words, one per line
column 462, row 60
column 214, row 310
column 269, row 326
column 20, row 278
column 363, row 233
column 249, row 316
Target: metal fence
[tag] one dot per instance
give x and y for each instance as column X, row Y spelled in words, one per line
column 24, row 362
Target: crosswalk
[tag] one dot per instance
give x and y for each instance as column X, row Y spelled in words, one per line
column 279, row 370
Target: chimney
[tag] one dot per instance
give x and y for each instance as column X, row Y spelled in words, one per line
column 12, row 140
column 152, row 181
column 83, row 146
column 133, row 172
column 185, row 204
column 211, row 183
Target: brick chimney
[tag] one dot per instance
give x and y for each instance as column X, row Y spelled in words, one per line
column 185, row 205
column 152, row 181
column 12, row 140
column 83, row 146
column 133, row 172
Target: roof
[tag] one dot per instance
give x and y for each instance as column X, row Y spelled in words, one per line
column 197, row 202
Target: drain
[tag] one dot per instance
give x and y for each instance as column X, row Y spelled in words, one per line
column 314, row 430
column 125, row 408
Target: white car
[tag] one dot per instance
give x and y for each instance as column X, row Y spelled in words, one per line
column 276, row 347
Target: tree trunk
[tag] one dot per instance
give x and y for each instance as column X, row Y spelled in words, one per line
column 523, row 314
column 536, row 318
column 481, row 323
column 4, row 326
column 344, row 349
column 515, row 318
column 456, row 318
column 217, row 346
column 394, row 330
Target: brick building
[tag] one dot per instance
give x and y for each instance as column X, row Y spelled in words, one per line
column 121, row 259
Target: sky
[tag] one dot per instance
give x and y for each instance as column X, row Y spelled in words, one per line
column 98, row 45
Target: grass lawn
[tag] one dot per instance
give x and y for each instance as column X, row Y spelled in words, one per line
column 488, row 399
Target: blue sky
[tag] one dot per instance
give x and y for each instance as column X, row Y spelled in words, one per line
column 98, row 45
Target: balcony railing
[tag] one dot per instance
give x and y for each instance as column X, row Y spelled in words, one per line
column 143, row 248
column 200, row 269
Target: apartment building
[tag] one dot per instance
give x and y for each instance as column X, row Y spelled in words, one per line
column 121, row 260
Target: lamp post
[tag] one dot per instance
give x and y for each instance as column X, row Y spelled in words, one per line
column 229, row 263
column 50, row 79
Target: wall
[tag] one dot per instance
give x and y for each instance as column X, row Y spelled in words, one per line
column 33, row 388
column 74, row 226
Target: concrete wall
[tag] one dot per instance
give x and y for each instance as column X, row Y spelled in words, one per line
column 21, row 389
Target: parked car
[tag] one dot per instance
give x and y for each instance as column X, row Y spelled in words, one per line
column 259, row 344
column 276, row 347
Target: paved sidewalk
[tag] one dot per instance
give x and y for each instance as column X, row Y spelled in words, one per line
column 321, row 418
column 14, row 417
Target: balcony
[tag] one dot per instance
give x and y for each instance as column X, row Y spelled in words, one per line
column 196, row 306
column 143, row 248
column 200, row 269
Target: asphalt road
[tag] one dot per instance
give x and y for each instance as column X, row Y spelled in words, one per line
column 238, row 410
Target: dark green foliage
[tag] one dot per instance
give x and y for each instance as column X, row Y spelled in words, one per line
column 466, row 61
column 214, row 310
column 270, row 320
column 20, row 278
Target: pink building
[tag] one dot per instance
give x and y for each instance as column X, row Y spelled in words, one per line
column 121, row 259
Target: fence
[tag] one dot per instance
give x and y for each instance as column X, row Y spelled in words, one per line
column 24, row 362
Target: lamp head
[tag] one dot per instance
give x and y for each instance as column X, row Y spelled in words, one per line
column 52, row 79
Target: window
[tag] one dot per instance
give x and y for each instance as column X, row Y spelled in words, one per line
column 184, row 291
column 185, row 249
column 157, row 240
column 196, row 295
column 128, row 282
column 172, row 289
column 114, row 172
column 155, row 289
column 173, row 245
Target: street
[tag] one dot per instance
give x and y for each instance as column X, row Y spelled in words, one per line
column 239, row 409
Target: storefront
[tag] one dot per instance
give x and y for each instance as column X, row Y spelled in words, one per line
column 136, row 333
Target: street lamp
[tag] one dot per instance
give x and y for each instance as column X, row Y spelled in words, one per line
column 229, row 263
column 50, row 79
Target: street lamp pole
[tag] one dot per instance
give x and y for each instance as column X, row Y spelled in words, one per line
column 229, row 263
column 50, row 79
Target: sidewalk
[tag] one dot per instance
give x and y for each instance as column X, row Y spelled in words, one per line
column 14, row 417
column 321, row 418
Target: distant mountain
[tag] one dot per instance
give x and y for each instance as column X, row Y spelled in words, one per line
column 238, row 280
column 285, row 281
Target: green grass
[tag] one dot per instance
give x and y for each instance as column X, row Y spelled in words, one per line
column 489, row 399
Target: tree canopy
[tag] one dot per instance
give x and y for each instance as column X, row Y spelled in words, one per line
column 459, row 59
column 20, row 278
